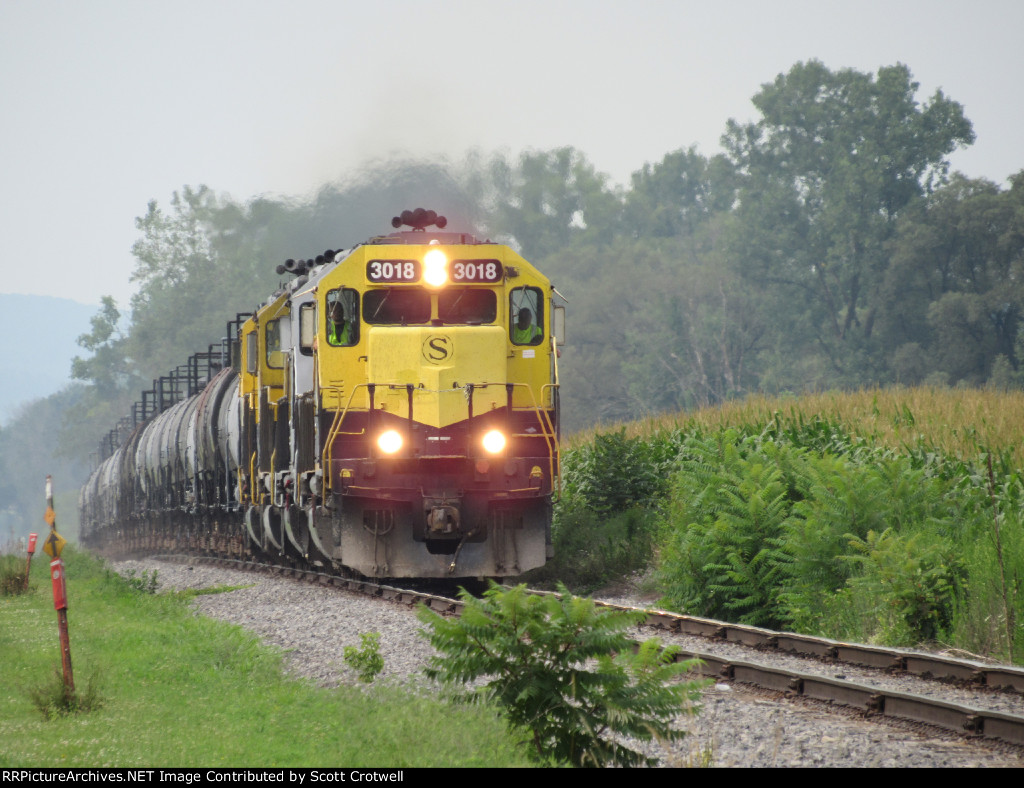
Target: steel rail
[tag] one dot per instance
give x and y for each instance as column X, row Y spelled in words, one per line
column 916, row 663
column 872, row 701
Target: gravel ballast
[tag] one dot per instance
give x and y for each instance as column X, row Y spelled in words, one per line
column 735, row 727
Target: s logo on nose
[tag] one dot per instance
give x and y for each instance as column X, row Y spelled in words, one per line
column 437, row 348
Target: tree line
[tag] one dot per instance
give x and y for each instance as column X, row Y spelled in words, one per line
column 826, row 245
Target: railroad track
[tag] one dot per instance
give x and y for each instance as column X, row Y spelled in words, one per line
column 867, row 695
column 994, row 709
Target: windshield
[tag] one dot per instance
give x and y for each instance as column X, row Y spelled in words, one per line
column 396, row 306
column 467, row 305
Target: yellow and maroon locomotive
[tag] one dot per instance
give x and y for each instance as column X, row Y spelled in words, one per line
column 395, row 412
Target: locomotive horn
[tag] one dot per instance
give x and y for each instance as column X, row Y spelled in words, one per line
column 419, row 219
column 296, row 267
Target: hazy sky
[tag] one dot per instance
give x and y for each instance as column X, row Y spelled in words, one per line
column 107, row 104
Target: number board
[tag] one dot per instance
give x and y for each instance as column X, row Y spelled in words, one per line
column 393, row 270
column 476, row 271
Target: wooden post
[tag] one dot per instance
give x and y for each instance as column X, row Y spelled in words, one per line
column 53, row 547
column 31, row 549
column 60, row 601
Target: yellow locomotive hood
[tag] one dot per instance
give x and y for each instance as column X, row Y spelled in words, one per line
column 439, row 362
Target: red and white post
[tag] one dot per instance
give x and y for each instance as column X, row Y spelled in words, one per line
column 53, row 546
column 31, row 550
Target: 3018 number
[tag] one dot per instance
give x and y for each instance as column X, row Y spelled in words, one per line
column 476, row 271
column 392, row 271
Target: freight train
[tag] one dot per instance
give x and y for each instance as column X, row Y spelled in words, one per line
column 391, row 411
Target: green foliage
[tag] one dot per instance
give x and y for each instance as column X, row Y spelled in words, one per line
column 190, row 593
column 691, row 342
column 827, row 171
column 990, row 600
column 592, row 550
column 366, row 660
column 721, row 548
column 145, row 583
column 604, row 525
column 197, row 265
column 108, row 370
column 54, row 699
column 875, row 522
column 12, row 575
column 906, row 585
column 840, row 498
column 533, row 655
column 679, row 195
column 31, row 448
column 614, row 473
column 1004, row 377
column 813, row 432
column 760, row 531
column 546, row 199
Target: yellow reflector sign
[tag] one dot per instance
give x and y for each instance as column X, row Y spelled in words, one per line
column 54, row 544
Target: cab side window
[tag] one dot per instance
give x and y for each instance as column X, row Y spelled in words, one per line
column 342, row 315
column 526, row 316
column 252, row 355
column 275, row 356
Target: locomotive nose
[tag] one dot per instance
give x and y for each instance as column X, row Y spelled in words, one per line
column 439, row 362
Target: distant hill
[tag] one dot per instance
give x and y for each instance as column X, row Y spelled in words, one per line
column 40, row 334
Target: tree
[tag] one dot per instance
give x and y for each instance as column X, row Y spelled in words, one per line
column 109, row 370
column 350, row 211
column 824, row 174
column 111, row 384
column 534, row 655
column 954, row 285
column 197, row 266
column 678, row 195
column 693, row 342
column 32, row 447
column 546, row 200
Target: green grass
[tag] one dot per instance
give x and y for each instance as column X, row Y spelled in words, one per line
column 180, row 690
column 189, row 593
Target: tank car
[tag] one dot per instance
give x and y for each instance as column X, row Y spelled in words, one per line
column 391, row 411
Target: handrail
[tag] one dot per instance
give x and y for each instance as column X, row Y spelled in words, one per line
column 335, row 430
column 556, row 454
column 253, row 479
column 554, row 357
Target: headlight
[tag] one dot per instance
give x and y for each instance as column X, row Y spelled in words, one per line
column 390, row 441
column 435, row 268
column 494, row 442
